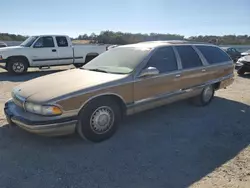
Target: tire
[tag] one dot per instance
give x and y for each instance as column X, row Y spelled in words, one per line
column 17, row 66
column 89, row 58
column 88, row 126
column 205, row 97
column 78, row 65
column 241, row 71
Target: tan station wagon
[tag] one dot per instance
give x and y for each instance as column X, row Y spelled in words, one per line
column 122, row 81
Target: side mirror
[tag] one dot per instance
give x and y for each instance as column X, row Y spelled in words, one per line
column 150, row 71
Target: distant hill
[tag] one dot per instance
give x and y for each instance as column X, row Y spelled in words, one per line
column 11, row 37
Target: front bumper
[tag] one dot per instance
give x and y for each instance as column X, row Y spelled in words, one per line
column 42, row 126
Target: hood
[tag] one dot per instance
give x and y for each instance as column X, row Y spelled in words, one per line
column 47, row 88
column 245, row 58
column 245, row 53
column 11, row 48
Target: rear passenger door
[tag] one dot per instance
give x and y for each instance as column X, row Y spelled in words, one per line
column 193, row 72
column 64, row 50
column 157, row 86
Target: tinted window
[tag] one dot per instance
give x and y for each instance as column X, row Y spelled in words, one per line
column 213, row 54
column 164, row 60
column 189, row 57
column 44, row 42
column 61, row 41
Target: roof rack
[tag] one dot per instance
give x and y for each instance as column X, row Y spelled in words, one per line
column 175, row 42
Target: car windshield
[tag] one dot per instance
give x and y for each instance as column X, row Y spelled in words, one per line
column 120, row 60
column 29, row 41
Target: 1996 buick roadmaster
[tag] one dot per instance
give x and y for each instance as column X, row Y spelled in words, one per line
column 122, row 81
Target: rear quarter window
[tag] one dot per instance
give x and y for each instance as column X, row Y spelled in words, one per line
column 213, row 54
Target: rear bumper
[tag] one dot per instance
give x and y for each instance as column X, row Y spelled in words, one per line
column 51, row 127
column 227, row 82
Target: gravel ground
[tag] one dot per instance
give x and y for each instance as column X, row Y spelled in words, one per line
column 178, row 145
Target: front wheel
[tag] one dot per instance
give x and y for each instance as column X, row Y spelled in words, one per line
column 17, row 66
column 241, row 71
column 99, row 120
column 205, row 97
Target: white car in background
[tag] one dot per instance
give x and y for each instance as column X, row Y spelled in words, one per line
column 245, row 53
column 2, row 45
column 47, row 50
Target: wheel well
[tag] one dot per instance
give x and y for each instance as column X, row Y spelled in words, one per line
column 92, row 55
column 216, row 85
column 111, row 97
column 18, row 57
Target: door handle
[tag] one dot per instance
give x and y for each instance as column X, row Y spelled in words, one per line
column 177, row 75
column 54, row 50
column 203, row 70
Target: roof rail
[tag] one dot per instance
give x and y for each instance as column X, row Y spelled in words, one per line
column 175, row 42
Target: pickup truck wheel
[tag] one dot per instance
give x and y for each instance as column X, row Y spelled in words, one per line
column 205, row 97
column 78, row 65
column 99, row 120
column 89, row 58
column 17, row 66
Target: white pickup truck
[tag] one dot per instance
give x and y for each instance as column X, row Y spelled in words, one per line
column 46, row 51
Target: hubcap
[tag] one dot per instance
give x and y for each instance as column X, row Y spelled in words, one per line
column 102, row 120
column 207, row 93
column 18, row 67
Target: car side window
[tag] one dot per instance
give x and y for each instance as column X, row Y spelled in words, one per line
column 213, row 54
column 189, row 57
column 62, row 41
column 164, row 60
column 44, row 42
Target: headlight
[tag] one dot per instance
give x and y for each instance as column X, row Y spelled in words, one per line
column 239, row 63
column 46, row 110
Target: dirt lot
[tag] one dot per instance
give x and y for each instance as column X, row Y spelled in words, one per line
column 174, row 146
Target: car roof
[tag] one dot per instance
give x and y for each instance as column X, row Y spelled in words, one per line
column 155, row 44
column 52, row 35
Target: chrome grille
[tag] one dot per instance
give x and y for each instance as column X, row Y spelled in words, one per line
column 19, row 101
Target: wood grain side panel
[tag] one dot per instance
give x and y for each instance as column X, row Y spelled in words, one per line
column 74, row 103
column 151, row 87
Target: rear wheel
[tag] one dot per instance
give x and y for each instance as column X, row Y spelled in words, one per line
column 78, row 65
column 17, row 65
column 205, row 97
column 99, row 120
column 89, row 58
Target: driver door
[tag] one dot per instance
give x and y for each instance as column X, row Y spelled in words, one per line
column 150, row 88
column 44, row 52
